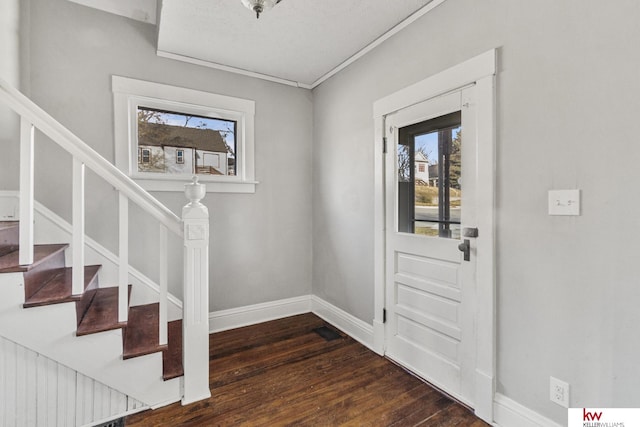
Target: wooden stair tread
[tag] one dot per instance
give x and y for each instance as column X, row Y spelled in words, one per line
column 172, row 356
column 8, row 224
column 9, row 263
column 48, row 281
column 102, row 313
column 58, row 288
column 140, row 337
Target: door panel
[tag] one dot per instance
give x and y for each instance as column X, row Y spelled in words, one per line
column 430, row 289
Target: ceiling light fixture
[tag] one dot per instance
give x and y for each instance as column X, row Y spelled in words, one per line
column 259, row 6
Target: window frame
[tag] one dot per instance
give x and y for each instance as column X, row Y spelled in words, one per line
column 129, row 94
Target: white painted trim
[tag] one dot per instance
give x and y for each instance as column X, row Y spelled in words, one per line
column 140, row 10
column 123, row 257
column 130, row 93
column 122, row 415
column 359, row 330
column 509, row 413
column 209, row 64
column 195, row 300
column 486, row 248
column 78, row 227
column 163, row 279
column 379, row 241
column 165, row 403
column 27, row 190
column 377, row 42
column 351, row 325
column 224, row 320
column 9, row 211
column 362, row 52
column 243, row 187
column 445, row 81
column 481, row 71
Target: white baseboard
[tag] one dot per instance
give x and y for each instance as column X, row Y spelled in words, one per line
column 509, row 413
column 224, row 320
column 253, row 314
column 9, row 201
column 351, row 325
column 378, row 337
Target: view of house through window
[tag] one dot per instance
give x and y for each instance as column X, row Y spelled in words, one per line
column 178, row 143
column 429, row 187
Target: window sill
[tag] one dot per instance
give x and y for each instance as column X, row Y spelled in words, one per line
column 246, row 187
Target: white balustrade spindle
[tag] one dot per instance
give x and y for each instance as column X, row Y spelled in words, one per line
column 195, row 322
column 164, row 283
column 123, row 257
column 77, row 238
column 26, row 192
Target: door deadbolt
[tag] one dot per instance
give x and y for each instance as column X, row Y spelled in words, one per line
column 470, row 232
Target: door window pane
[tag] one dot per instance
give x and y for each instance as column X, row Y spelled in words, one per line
column 429, row 186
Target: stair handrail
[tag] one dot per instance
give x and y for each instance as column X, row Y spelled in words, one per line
column 193, row 228
column 42, row 120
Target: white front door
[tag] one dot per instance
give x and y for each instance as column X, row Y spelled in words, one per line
column 430, row 287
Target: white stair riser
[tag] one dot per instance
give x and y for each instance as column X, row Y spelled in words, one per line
column 50, row 331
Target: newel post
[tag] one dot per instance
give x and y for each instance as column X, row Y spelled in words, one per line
column 195, row 322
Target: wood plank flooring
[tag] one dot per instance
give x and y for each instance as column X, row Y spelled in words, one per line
column 281, row 373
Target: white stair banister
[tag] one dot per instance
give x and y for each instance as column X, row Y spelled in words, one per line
column 26, row 192
column 77, row 275
column 164, row 285
column 195, row 322
column 193, row 228
column 123, row 257
column 46, row 124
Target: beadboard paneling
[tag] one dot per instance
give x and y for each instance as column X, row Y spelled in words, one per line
column 37, row 391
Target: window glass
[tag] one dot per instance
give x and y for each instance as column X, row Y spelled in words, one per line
column 187, row 132
column 179, row 143
column 429, row 185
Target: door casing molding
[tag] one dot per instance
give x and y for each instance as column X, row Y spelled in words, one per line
column 479, row 70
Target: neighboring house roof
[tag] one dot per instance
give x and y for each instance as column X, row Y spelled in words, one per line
column 421, row 157
column 159, row 135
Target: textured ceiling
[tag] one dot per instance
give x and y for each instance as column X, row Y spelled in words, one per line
column 298, row 40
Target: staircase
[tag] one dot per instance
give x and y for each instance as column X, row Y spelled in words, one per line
column 47, row 281
column 53, row 304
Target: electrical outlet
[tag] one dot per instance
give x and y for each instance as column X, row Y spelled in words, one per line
column 559, row 392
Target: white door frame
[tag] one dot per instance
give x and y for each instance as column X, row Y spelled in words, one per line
column 480, row 71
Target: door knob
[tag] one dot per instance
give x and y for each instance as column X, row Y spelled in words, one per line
column 465, row 247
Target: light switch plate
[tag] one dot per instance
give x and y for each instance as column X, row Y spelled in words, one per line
column 564, row 202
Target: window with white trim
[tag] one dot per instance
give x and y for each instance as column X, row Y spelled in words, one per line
column 166, row 134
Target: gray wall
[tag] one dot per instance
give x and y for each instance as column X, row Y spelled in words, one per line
column 567, row 117
column 261, row 243
column 10, row 72
column 566, row 94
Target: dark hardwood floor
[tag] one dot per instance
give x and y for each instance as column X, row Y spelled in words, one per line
column 283, row 373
